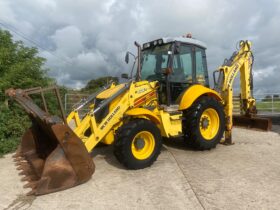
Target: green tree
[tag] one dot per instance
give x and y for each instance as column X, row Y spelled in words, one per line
column 94, row 84
column 276, row 97
column 20, row 67
column 267, row 98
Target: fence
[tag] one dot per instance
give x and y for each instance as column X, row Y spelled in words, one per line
column 267, row 103
column 70, row 100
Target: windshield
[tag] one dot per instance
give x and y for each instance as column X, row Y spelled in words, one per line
column 153, row 61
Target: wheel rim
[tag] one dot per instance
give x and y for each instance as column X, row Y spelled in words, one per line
column 143, row 145
column 209, row 124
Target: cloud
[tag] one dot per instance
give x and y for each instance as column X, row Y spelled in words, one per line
column 68, row 41
column 89, row 38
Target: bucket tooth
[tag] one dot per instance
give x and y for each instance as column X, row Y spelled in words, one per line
column 19, row 168
column 23, row 173
column 19, row 158
column 29, row 178
column 27, row 172
column 32, row 192
column 30, row 185
column 19, row 163
column 23, row 167
column 26, row 178
column 17, row 154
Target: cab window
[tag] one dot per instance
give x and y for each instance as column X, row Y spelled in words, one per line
column 154, row 60
column 200, row 67
column 182, row 65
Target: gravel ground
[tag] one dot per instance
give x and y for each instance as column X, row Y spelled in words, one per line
column 243, row 176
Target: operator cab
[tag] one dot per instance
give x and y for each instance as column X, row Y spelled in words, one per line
column 176, row 63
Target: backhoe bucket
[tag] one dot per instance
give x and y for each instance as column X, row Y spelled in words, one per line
column 254, row 122
column 51, row 156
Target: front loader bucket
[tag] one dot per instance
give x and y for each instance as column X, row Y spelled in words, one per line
column 51, row 157
column 254, row 122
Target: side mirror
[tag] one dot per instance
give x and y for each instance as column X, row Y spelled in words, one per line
column 124, row 76
column 127, row 57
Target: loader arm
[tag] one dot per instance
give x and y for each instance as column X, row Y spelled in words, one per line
column 241, row 61
column 89, row 130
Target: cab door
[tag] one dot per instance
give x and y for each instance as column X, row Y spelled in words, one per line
column 200, row 67
column 188, row 67
column 183, row 70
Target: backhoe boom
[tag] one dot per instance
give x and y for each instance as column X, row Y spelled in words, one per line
column 240, row 62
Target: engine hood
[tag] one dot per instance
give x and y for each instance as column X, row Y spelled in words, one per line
column 109, row 92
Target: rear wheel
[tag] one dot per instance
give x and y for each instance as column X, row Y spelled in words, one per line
column 138, row 144
column 204, row 123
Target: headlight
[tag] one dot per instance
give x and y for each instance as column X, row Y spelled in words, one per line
column 146, row 45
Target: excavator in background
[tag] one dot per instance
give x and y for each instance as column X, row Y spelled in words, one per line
column 168, row 96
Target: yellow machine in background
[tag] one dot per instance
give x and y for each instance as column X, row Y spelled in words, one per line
column 169, row 96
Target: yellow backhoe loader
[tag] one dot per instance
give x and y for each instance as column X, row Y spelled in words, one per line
column 168, row 96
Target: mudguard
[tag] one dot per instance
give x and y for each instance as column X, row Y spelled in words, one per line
column 193, row 93
column 144, row 112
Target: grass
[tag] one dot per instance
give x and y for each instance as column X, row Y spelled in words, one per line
column 268, row 106
column 8, row 145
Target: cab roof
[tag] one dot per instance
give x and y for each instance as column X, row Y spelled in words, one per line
column 184, row 40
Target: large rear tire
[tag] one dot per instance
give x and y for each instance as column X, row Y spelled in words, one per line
column 138, row 144
column 204, row 123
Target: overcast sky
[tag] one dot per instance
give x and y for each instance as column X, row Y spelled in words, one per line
column 88, row 38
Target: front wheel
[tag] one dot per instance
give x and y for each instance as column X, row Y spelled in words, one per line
column 204, row 123
column 138, row 144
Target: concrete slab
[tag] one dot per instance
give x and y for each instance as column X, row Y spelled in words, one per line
column 242, row 176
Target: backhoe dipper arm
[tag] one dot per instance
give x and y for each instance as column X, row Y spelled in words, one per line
column 241, row 61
